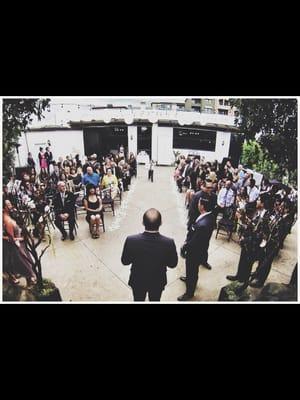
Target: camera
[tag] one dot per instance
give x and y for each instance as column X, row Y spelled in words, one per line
column 183, row 251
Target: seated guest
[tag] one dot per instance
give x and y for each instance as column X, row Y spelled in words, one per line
column 107, row 164
column 91, row 177
column 76, row 178
column 226, row 198
column 66, row 162
column 110, row 181
column 93, row 205
column 54, row 177
column 67, row 170
column 93, row 162
column 64, row 208
column 29, row 189
column 241, row 199
column 78, row 161
column 42, row 177
column 265, row 186
column 60, row 163
column 189, row 197
column 116, row 170
column 212, row 175
column 253, row 194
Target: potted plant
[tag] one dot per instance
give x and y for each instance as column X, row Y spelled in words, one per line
column 46, row 292
column 235, row 291
column 45, row 289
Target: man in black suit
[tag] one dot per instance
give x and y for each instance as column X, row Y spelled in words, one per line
column 64, row 208
column 206, row 192
column 49, row 158
column 196, row 246
column 150, row 253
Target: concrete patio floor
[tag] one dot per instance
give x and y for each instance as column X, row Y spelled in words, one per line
column 91, row 270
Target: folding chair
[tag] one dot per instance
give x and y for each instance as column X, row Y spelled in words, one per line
column 107, row 200
column 226, row 224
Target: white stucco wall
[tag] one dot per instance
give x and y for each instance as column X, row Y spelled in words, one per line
column 63, row 143
column 162, row 145
column 67, row 142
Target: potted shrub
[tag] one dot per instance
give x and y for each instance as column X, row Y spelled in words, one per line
column 47, row 292
column 45, row 289
column 235, row 291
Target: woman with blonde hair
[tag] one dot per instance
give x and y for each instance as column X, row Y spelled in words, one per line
column 110, row 181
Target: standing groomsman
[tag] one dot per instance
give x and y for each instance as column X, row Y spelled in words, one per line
column 196, row 246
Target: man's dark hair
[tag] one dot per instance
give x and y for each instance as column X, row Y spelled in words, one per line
column 152, row 219
column 252, row 181
column 205, row 202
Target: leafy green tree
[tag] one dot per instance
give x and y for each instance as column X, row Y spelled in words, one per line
column 254, row 156
column 273, row 124
column 17, row 115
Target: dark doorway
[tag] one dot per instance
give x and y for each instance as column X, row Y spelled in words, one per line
column 103, row 140
column 144, row 139
column 235, row 149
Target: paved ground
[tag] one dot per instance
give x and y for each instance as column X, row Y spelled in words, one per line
column 90, row 269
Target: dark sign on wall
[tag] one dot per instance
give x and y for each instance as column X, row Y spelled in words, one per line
column 196, row 139
column 118, row 130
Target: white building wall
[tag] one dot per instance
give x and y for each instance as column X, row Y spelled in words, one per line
column 63, row 142
column 66, row 142
column 222, row 145
column 162, row 145
column 155, row 130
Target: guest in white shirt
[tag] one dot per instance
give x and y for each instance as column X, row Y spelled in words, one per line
column 226, row 195
column 253, row 194
column 252, row 191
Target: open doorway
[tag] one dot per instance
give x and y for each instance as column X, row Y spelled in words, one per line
column 103, row 140
column 144, row 139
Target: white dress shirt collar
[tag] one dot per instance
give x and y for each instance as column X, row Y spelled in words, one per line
column 202, row 216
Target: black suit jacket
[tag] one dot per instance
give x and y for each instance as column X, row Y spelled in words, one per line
column 149, row 254
column 198, row 237
column 69, row 204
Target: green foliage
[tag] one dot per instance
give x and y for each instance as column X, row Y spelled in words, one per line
column 17, row 115
column 273, row 124
column 48, row 288
column 234, row 292
column 257, row 159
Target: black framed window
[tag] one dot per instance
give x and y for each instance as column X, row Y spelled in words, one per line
column 194, row 139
